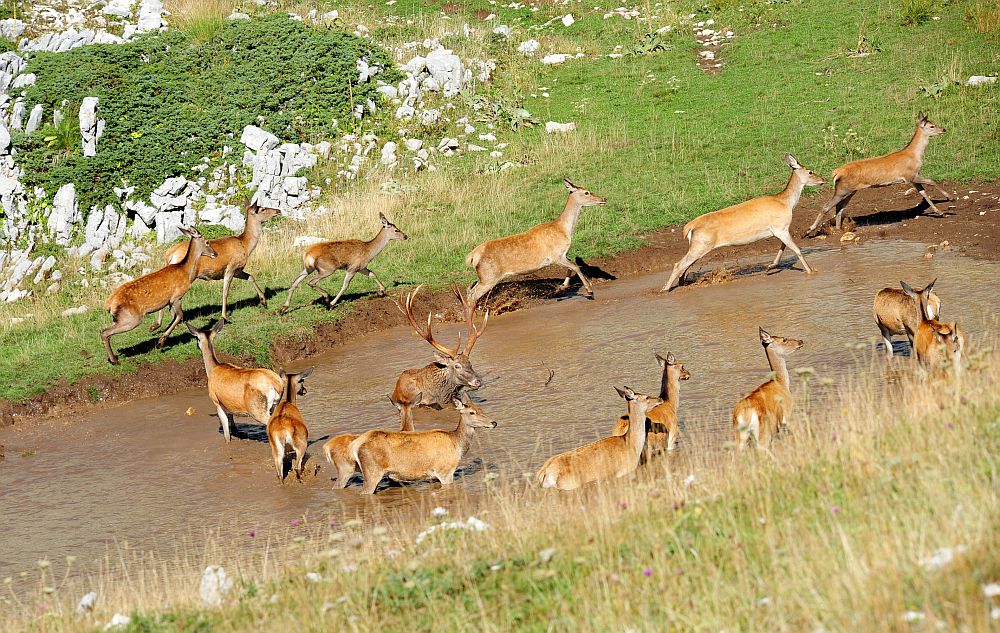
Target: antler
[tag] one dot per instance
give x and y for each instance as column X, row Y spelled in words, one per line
column 405, row 306
column 469, row 309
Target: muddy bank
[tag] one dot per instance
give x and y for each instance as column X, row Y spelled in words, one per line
column 971, row 228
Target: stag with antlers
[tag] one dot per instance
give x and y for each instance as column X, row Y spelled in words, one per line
column 438, row 383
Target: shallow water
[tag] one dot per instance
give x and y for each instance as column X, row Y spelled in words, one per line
column 145, row 473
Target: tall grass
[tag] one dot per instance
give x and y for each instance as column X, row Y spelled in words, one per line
column 837, row 529
column 915, row 12
column 201, row 19
column 985, row 16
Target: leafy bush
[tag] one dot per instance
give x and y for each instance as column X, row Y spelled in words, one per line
column 169, row 100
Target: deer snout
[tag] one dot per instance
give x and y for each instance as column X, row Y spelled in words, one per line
column 475, row 383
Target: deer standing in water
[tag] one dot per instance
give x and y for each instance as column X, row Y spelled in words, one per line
column 351, row 256
column 133, row 300
column 765, row 410
column 609, row 457
column 895, row 168
column 938, row 345
column 418, row 455
column 900, row 311
column 757, row 219
column 536, row 248
column 439, row 382
column 287, row 428
column 662, row 427
column 233, row 389
column 232, row 254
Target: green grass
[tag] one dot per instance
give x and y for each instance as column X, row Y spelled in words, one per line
column 662, row 140
column 830, row 532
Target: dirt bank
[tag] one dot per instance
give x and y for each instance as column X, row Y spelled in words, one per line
column 971, row 228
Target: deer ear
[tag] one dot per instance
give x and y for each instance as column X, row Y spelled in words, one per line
column 794, row 164
column 441, row 359
column 764, row 336
column 459, row 406
column 621, row 393
column 191, row 328
column 305, row 374
column 570, row 185
column 907, row 289
column 385, row 220
column 185, row 231
column 670, row 359
column 218, row 326
column 930, row 286
column 662, row 360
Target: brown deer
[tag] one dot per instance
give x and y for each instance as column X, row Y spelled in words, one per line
column 750, row 221
column 662, row 428
column 232, row 255
column 418, row 455
column 895, row 168
column 536, row 248
column 766, row 409
column 439, row 382
column 234, row 389
column 609, row 457
column 133, row 300
column 351, row 256
column 939, row 345
column 901, row 311
column 337, row 451
column 286, row 426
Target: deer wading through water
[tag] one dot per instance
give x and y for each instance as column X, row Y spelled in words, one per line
column 662, row 428
column 133, row 300
column 765, row 410
column 895, row 168
column 757, row 219
column 536, row 248
column 900, row 311
column 232, row 254
column 286, row 428
column 439, row 382
column 351, row 256
column 609, row 457
column 233, row 389
column 418, row 455
column 939, row 345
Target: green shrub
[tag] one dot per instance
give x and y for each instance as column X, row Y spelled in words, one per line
column 169, row 100
column 914, row 12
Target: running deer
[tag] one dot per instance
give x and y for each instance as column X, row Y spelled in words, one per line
column 765, row 410
column 351, row 256
column 133, row 300
column 662, row 429
column 750, row 221
column 418, row 455
column 895, row 168
column 900, row 311
column 286, row 426
column 233, row 389
column 939, row 345
column 609, row 457
column 232, row 255
column 536, row 248
column 439, row 382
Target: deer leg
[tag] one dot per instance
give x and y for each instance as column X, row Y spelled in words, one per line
column 227, row 279
column 175, row 306
column 348, row 276
column 278, row 452
column 777, row 258
column 786, row 239
column 371, row 275
column 576, row 269
column 313, row 282
column 124, row 322
column 834, row 201
column 225, row 420
column 695, row 252
column 373, row 476
column 841, row 205
column 446, row 480
column 886, row 339
column 479, row 290
column 295, row 284
column 300, row 454
column 242, row 274
column 931, row 183
column 344, row 471
column 159, row 321
column 923, row 194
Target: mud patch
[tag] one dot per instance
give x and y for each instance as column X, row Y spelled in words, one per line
column 972, row 229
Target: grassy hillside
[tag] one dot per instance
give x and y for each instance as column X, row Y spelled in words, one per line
column 662, row 139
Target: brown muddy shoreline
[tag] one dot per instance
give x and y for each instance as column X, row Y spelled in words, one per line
column 970, row 228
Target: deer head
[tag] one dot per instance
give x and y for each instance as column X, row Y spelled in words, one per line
column 581, row 196
column 394, row 232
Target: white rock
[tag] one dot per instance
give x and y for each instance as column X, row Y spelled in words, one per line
column 568, row 20
column 65, row 214
column 4, row 140
column 388, row 156
column 503, row 30
column 553, row 127
column 120, row 8
column 215, row 584
column 257, row 139
column 555, row 58
column 91, row 127
column 117, row 621
column 980, row 80
column 528, row 47
column 447, row 68
column 413, row 144
column 476, row 148
column 430, row 117
column 68, row 312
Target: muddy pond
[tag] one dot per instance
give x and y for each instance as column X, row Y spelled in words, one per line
column 146, row 472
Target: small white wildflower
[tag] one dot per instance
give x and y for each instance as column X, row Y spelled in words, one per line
column 87, row 603
column 991, row 590
column 690, row 479
column 314, row 577
column 546, row 554
column 117, row 621
column 439, row 512
column 763, row 602
column 995, row 613
column 942, row 557
column 913, row 616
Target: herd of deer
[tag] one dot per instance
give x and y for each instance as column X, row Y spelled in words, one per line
column 650, row 425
